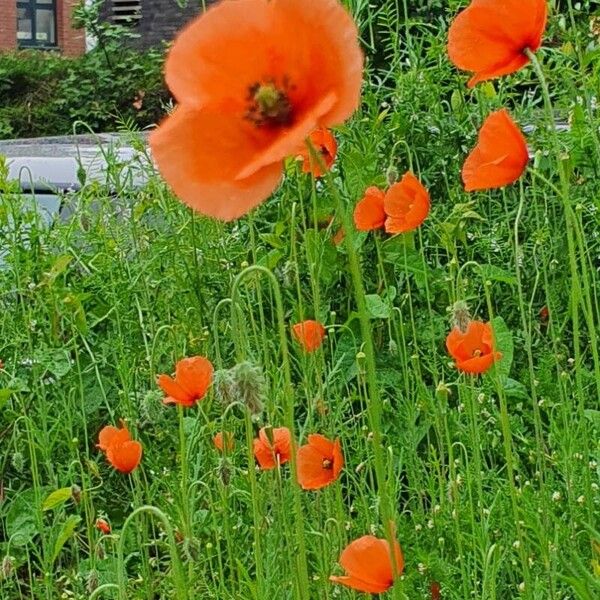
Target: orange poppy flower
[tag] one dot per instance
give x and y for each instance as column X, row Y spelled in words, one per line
column 473, row 350
column 219, row 440
column 319, row 462
column 369, row 213
column 489, row 37
column 406, row 205
column 271, row 454
column 500, row 156
column 123, row 453
column 193, row 377
column 368, row 564
column 103, row 526
column 253, row 79
column 309, row 334
column 325, row 145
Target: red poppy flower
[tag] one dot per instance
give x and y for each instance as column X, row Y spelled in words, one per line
column 103, row 526
column 369, row 213
column 500, row 156
column 270, row 454
column 220, row 438
column 489, row 37
column 406, row 205
column 402, row 208
column 436, row 590
column 193, row 377
column 319, row 462
column 123, row 453
column 325, row 145
column 368, row 564
column 253, row 79
column 473, row 350
column 309, row 334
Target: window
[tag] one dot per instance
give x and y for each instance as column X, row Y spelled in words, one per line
column 126, row 12
column 36, row 22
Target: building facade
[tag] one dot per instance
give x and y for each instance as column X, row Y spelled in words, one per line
column 42, row 24
column 46, row 24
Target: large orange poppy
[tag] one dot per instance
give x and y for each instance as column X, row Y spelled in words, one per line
column 123, row 453
column 489, row 37
column 500, row 156
column 193, row 377
column 325, row 145
column 473, row 349
column 319, row 462
column 309, row 334
column 273, row 448
column 368, row 564
column 253, row 79
column 406, row 205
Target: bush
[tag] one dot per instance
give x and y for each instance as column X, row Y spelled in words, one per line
column 42, row 93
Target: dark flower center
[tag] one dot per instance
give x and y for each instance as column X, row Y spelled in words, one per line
column 327, row 464
column 268, row 105
column 477, row 353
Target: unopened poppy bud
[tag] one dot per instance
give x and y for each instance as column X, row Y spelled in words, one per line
column 18, row 461
column 442, row 391
column 244, row 264
column 391, row 175
column 92, row 581
column 361, row 356
column 393, row 348
column 7, row 569
column 76, row 493
column 250, row 386
column 461, row 315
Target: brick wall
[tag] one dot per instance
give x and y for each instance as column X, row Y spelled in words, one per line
column 160, row 20
column 8, row 24
column 70, row 42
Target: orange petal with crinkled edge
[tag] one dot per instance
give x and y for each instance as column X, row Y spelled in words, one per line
column 125, row 456
column 489, row 37
column 368, row 564
column 500, row 156
column 369, row 213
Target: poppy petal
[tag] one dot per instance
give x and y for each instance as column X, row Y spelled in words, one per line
column 369, row 213
column 112, row 435
column 406, row 205
column 126, row 456
column 368, row 559
column 489, row 37
column 201, row 154
column 478, row 364
column 369, row 587
column 500, row 156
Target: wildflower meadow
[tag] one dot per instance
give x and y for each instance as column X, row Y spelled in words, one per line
column 343, row 342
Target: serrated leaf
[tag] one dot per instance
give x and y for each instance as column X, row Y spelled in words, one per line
column 56, row 498
column 493, row 273
column 376, row 307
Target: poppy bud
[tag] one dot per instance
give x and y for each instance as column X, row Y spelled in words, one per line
column 250, row 385
column 76, row 493
column 391, row 175
column 461, row 315
column 7, row 569
column 103, row 526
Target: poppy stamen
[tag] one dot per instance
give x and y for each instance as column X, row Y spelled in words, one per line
column 327, row 464
column 477, row 353
column 269, row 106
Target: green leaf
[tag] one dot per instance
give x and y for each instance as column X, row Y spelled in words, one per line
column 56, row 498
column 273, row 240
column 376, row 307
column 60, row 266
column 515, row 389
column 67, row 531
column 504, row 344
column 497, row 274
column 5, row 394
